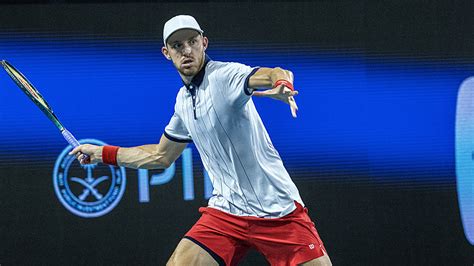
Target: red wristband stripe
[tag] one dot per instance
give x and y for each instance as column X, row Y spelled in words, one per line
column 288, row 84
column 109, row 154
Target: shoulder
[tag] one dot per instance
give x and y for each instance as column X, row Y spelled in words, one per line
column 214, row 66
column 180, row 93
column 221, row 70
column 219, row 65
column 180, row 96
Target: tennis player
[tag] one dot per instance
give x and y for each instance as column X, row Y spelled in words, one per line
column 255, row 204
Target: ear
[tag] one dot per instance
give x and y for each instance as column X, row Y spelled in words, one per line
column 165, row 52
column 205, row 42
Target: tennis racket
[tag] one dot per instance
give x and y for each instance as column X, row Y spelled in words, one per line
column 36, row 97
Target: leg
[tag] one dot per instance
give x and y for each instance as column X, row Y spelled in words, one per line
column 220, row 235
column 189, row 253
column 290, row 240
column 321, row 261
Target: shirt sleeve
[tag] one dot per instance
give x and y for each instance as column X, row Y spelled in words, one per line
column 234, row 79
column 176, row 131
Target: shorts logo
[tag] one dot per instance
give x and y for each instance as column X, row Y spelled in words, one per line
column 90, row 190
column 311, row 246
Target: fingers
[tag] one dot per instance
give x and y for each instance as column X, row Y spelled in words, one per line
column 80, row 158
column 83, row 159
column 293, row 106
column 76, row 150
column 291, row 93
column 80, row 154
column 259, row 93
column 282, row 90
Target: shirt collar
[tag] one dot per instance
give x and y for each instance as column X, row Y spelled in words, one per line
column 197, row 80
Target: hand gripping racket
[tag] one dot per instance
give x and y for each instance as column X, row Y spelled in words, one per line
column 36, row 97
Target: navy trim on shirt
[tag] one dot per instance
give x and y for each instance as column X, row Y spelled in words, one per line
column 196, row 82
column 168, row 136
column 218, row 259
column 246, row 85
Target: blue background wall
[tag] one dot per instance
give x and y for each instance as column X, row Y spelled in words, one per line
column 358, row 112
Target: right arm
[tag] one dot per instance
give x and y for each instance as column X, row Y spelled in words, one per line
column 152, row 156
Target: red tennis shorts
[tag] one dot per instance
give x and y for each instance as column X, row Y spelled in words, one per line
column 289, row 240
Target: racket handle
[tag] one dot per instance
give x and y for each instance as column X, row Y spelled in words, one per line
column 72, row 140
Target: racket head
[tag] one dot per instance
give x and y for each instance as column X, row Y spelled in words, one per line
column 29, row 89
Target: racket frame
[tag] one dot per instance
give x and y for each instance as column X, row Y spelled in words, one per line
column 46, row 108
column 43, row 105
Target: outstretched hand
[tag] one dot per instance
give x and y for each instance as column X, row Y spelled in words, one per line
column 94, row 152
column 282, row 93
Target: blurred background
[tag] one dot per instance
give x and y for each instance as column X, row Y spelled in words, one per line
column 372, row 150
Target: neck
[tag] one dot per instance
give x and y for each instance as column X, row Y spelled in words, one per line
column 186, row 79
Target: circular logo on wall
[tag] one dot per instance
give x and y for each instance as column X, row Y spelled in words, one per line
column 87, row 190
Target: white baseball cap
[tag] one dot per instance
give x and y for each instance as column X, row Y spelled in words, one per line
column 178, row 23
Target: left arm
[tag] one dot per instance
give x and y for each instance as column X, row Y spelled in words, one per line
column 266, row 78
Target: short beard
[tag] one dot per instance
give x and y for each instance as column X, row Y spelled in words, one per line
column 186, row 74
column 201, row 63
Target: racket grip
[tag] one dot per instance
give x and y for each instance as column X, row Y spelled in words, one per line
column 72, row 140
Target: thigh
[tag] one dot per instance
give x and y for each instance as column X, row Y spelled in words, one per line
column 221, row 235
column 321, row 261
column 219, row 242
column 189, row 253
column 291, row 240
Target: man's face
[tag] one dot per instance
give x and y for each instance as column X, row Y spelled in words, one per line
column 186, row 49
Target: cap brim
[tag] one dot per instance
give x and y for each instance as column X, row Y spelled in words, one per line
column 173, row 32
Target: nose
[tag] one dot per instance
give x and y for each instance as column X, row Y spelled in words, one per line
column 186, row 49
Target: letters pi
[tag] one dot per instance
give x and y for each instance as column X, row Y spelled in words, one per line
column 94, row 190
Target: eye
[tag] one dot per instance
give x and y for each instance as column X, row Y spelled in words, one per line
column 176, row 45
column 192, row 41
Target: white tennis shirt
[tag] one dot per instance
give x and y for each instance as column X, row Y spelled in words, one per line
column 217, row 113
